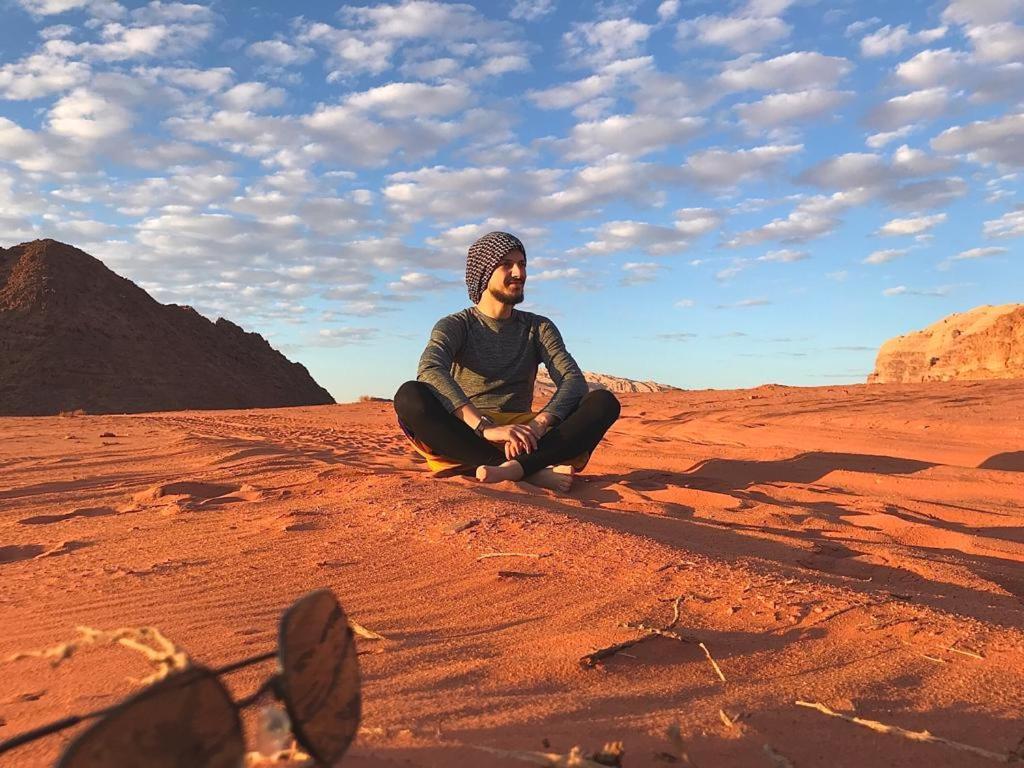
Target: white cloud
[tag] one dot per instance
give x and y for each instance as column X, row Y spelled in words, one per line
column 998, row 42
column 797, row 71
column 973, row 254
column 726, row 168
column 1010, row 224
column 40, row 75
column 1000, row 140
column 85, row 115
column 781, row 108
column 914, row 226
column 744, row 304
column 531, row 10
column 279, row 52
column 784, row 256
column 420, row 282
column 685, row 303
column 889, row 40
column 619, row 236
column 572, row 94
column 902, row 290
column 640, row 272
column 879, row 140
column 547, row 275
column 629, row 136
column 251, row 97
column 405, row 100
column 743, row 34
column 346, row 335
column 667, row 10
column 981, row 11
column 602, row 42
column 925, row 104
column 885, row 256
column 931, row 68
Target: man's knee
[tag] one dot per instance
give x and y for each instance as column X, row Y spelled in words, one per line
column 410, row 400
column 606, row 402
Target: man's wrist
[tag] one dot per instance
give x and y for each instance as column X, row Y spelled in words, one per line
column 482, row 424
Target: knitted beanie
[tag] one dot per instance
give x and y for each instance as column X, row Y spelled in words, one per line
column 484, row 255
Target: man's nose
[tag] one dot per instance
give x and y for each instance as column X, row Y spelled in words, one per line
column 519, row 271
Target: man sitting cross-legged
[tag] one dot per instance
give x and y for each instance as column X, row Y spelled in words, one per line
column 469, row 409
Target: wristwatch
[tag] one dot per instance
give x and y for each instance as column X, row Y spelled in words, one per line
column 484, row 423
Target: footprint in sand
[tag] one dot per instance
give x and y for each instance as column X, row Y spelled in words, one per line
column 14, row 553
column 87, row 512
column 196, row 495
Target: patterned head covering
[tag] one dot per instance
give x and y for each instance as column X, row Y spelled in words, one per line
column 484, row 255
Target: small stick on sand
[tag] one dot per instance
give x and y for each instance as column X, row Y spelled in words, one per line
column 363, row 632
column 593, row 659
column 574, row 759
column 714, row 663
column 936, row 659
column 675, row 612
column 513, row 554
column 778, row 761
column 924, row 736
column 963, row 652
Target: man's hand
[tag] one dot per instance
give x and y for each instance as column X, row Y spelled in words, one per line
column 518, row 438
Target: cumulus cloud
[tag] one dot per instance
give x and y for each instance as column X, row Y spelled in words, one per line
column 885, row 256
column 40, row 75
column 1000, row 140
column 902, row 290
column 1010, row 224
column 797, row 71
column 741, row 33
column 784, row 256
column 280, row 52
column 727, row 168
column 251, row 97
column 628, row 136
column 925, row 104
column 653, row 239
column 973, row 254
column 531, row 10
column 914, row 226
column 601, row 42
column 782, row 108
column 84, row 115
column 640, row 272
column 889, row 40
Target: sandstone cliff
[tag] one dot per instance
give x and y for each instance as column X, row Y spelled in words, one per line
column 986, row 342
column 545, row 387
column 74, row 335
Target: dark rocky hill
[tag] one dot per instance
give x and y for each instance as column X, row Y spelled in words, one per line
column 74, row 335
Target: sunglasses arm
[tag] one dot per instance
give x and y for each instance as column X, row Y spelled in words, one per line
column 46, row 730
column 73, row 720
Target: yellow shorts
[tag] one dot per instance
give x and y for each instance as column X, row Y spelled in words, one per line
column 442, row 466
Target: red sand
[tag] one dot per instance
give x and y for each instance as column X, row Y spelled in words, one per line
column 858, row 546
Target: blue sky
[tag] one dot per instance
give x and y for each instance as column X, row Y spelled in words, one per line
column 711, row 194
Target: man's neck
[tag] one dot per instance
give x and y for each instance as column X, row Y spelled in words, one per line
column 493, row 308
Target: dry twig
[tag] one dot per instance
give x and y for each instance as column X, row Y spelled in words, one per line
column 513, row 554
column 363, row 632
column 923, row 736
column 575, row 758
column 718, row 670
column 149, row 641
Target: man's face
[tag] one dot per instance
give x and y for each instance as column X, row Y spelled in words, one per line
column 507, row 280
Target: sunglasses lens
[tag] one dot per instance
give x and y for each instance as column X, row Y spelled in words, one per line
column 184, row 721
column 320, row 676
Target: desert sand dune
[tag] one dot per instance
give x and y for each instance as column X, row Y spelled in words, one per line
column 857, row 546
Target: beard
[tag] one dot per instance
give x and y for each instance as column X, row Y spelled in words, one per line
column 510, row 294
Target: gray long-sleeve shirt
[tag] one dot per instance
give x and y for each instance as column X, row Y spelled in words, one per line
column 491, row 363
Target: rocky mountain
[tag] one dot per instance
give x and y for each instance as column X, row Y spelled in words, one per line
column 74, row 335
column 545, row 386
column 986, row 342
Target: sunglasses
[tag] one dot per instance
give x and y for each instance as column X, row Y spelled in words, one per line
column 189, row 720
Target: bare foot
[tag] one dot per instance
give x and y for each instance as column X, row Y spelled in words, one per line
column 510, row 470
column 558, row 478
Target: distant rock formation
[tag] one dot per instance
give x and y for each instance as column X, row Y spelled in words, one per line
column 74, row 335
column 984, row 343
column 545, row 387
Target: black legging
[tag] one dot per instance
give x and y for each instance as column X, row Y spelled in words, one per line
column 424, row 418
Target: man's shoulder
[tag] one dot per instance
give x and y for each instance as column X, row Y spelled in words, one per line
column 455, row 318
